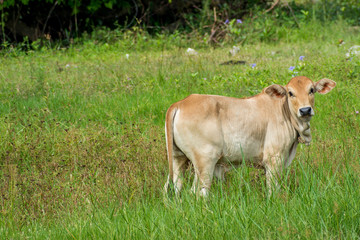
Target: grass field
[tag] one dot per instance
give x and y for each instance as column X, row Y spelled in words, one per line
column 82, row 144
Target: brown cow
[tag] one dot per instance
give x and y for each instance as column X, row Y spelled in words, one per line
column 263, row 130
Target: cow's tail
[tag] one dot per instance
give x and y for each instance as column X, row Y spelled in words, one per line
column 169, row 135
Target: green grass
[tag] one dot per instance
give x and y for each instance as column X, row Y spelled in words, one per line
column 83, row 155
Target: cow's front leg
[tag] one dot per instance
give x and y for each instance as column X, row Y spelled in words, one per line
column 273, row 169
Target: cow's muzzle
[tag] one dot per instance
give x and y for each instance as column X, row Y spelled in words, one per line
column 306, row 111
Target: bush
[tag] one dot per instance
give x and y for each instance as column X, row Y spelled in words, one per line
column 65, row 21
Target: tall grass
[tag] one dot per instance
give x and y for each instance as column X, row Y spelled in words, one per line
column 83, row 154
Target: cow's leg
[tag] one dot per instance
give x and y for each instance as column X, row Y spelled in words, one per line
column 204, row 171
column 195, row 182
column 273, row 169
column 179, row 161
column 179, row 165
column 271, row 179
column 220, row 171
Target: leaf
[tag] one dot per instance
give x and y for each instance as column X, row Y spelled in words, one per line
column 109, row 4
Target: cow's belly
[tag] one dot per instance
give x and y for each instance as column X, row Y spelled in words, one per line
column 243, row 148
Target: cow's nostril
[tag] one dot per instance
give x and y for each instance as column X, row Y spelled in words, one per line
column 305, row 111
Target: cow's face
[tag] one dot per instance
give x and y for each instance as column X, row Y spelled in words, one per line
column 300, row 95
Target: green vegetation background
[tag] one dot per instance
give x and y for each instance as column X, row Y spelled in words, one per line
column 82, row 143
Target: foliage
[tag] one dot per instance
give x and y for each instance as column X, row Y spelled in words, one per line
column 63, row 21
column 83, row 150
column 272, row 27
column 92, row 6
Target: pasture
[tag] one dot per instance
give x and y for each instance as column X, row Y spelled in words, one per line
column 82, row 144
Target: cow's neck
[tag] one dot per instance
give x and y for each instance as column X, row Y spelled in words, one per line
column 301, row 127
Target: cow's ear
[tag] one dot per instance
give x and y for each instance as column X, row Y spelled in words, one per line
column 324, row 85
column 275, row 91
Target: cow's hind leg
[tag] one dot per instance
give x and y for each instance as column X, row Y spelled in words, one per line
column 179, row 162
column 204, row 171
column 179, row 166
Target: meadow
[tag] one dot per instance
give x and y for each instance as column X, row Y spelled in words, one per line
column 82, row 144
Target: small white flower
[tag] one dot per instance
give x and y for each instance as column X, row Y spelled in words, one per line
column 191, row 51
column 234, row 50
column 127, row 56
column 67, row 65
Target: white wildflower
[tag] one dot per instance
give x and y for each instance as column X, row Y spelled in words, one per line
column 234, row 50
column 191, row 51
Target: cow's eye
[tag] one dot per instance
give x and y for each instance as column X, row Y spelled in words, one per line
column 311, row 91
column 291, row 94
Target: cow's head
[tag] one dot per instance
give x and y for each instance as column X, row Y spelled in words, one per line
column 300, row 95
